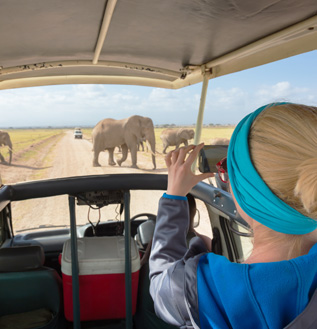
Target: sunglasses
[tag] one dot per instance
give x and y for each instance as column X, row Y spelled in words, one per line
column 222, row 170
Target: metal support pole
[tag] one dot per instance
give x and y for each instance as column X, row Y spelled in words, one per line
column 111, row 4
column 128, row 268
column 75, row 266
column 200, row 117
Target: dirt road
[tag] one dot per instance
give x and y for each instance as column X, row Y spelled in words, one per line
column 65, row 157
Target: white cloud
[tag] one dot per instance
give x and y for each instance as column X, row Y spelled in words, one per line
column 226, row 105
column 87, row 104
column 158, row 94
column 285, row 91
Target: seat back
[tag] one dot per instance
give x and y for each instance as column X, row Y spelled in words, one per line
column 26, row 285
column 308, row 318
column 145, row 316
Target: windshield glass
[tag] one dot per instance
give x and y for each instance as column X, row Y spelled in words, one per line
column 45, row 146
column 43, row 124
column 53, row 212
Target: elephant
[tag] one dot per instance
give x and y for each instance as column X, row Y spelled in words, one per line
column 110, row 133
column 141, row 145
column 6, row 141
column 220, row 141
column 175, row 137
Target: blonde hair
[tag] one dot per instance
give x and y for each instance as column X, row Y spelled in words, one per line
column 283, row 148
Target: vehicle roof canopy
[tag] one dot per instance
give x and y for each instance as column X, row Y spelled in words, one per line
column 164, row 43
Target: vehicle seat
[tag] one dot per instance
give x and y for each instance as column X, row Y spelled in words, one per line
column 30, row 293
column 145, row 316
column 308, row 318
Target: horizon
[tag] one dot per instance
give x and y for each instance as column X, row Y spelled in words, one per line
column 164, row 125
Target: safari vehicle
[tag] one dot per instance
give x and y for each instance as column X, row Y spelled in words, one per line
column 78, row 133
column 164, row 44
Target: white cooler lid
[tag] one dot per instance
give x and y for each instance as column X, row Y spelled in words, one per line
column 100, row 255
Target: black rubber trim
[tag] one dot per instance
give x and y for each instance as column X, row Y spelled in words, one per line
column 215, row 197
column 81, row 184
column 216, row 241
column 225, row 231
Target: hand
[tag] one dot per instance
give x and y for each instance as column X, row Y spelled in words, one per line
column 181, row 179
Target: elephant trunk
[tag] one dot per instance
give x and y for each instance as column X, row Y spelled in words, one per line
column 152, row 145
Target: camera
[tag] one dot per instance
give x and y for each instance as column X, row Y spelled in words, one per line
column 209, row 156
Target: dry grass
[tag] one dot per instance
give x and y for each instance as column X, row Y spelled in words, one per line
column 87, row 133
column 48, row 145
column 23, row 140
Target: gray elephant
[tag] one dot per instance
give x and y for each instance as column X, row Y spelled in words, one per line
column 110, row 133
column 219, row 141
column 175, row 137
column 141, row 145
column 6, row 141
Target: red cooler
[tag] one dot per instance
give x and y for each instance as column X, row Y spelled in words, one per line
column 101, row 277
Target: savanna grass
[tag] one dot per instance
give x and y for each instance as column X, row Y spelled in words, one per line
column 23, row 139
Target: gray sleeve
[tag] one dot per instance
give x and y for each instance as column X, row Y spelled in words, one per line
column 173, row 284
column 308, row 318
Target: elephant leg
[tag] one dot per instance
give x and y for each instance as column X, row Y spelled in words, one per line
column 95, row 162
column 186, row 143
column 177, row 145
column 141, row 145
column 165, row 147
column 153, row 161
column 133, row 151
column 111, row 160
column 124, row 148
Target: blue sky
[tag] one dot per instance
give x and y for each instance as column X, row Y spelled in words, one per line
column 229, row 98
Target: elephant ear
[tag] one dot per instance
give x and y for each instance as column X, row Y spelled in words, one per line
column 133, row 127
column 183, row 133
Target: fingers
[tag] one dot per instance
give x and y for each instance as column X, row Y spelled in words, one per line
column 182, row 153
column 168, row 160
column 193, row 155
column 181, row 178
column 206, row 175
column 178, row 156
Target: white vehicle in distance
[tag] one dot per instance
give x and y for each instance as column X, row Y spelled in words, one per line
column 78, row 133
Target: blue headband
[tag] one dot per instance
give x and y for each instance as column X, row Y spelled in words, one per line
column 252, row 194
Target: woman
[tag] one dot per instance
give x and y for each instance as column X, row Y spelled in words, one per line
column 272, row 167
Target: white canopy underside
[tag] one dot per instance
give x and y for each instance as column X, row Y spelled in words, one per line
column 167, row 44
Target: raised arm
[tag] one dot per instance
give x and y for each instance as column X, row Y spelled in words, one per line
column 172, row 266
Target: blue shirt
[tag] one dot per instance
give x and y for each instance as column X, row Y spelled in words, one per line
column 260, row 295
